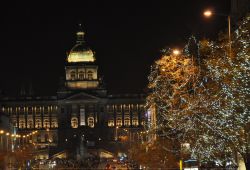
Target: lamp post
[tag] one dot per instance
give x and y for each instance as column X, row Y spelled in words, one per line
column 48, row 141
column 7, row 140
column 209, row 13
column 18, row 137
column 13, row 142
column 116, row 128
column 24, row 138
column 1, row 140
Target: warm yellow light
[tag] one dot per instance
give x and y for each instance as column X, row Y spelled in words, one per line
column 24, row 136
column 207, row 13
column 117, row 127
column 12, row 135
column 1, row 131
column 7, row 134
column 176, row 52
column 81, row 56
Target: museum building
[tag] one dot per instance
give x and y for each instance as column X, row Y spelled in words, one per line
column 82, row 102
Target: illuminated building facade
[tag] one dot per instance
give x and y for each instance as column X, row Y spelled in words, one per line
column 81, row 103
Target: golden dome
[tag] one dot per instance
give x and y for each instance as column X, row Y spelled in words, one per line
column 80, row 53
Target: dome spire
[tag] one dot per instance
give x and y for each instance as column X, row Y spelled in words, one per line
column 80, row 34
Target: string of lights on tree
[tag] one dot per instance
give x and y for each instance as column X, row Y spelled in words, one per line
column 202, row 97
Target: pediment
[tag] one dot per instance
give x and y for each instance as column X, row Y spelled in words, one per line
column 82, row 96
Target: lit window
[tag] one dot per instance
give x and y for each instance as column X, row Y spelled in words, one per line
column 74, row 122
column 119, row 122
column 118, row 108
column 72, row 75
column 21, row 124
column 127, row 122
column 126, row 107
column 53, row 123
column 91, row 122
column 81, row 75
column 14, row 123
column 38, row 123
column 135, row 122
column 111, row 123
column 46, row 123
column 30, row 124
column 90, row 75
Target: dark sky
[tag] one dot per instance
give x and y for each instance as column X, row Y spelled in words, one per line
column 126, row 36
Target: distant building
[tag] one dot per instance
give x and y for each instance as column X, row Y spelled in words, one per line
column 82, row 108
column 5, row 123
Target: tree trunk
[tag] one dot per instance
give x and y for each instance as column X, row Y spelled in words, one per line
column 247, row 162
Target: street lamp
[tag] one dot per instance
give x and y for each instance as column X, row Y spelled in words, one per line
column 176, row 52
column 208, row 13
column 24, row 139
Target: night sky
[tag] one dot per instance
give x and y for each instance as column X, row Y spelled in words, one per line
column 127, row 37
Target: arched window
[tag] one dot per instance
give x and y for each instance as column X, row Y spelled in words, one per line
column 21, row 124
column 111, row 123
column 127, row 122
column 91, row 122
column 46, row 123
column 135, row 122
column 30, row 124
column 54, row 124
column 14, row 123
column 38, row 123
column 119, row 122
column 90, row 75
column 81, row 75
column 74, row 122
column 73, row 75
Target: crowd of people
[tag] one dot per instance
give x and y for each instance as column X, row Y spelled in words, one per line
column 88, row 163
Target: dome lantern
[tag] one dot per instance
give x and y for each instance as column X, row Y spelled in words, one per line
column 80, row 35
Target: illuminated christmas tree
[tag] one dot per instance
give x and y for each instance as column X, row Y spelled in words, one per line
column 231, row 72
column 202, row 99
